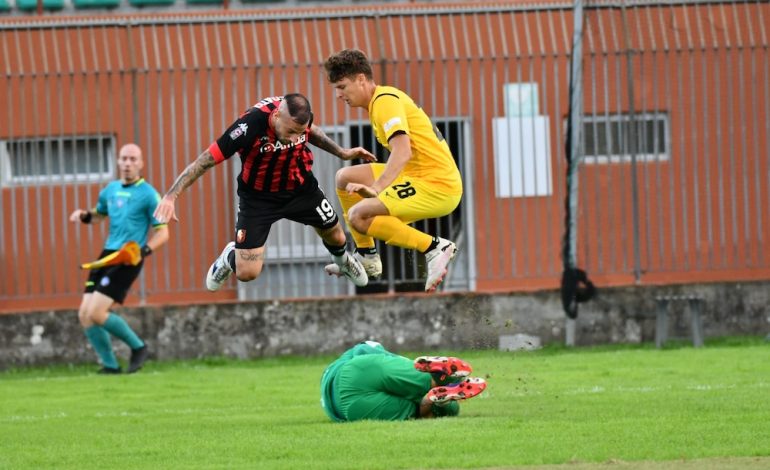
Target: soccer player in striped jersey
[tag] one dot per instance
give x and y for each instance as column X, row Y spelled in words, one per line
column 275, row 182
column 419, row 181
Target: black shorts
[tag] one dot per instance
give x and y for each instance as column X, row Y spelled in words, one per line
column 113, row 281
column 257, row 213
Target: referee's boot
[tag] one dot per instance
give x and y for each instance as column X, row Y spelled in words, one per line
column 138, row 358
column 438, row 260
column 351, row 268
column 220, row 270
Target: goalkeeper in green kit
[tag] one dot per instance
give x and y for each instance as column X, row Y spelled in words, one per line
column 369, row 382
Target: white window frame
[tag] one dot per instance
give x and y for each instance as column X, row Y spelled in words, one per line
column 8, row 179
column 641, row 156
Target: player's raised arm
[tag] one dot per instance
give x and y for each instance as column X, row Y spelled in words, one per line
column 166, row 209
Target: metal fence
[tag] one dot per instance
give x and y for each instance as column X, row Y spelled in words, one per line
column 673, row 186
column 676, row 141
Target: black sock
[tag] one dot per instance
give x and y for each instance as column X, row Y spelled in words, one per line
column 366, row 251
column 433, row 244
column 335, row 250
column 231, row 260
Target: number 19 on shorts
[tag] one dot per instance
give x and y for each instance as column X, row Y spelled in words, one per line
column 325, row 210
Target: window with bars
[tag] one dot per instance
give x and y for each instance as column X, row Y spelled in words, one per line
column 608, row 138
column 48, row 161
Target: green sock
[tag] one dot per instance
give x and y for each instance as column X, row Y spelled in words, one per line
column 451, row 408
column 100, row 340
column 118, row 327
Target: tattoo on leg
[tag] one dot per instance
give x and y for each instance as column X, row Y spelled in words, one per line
column 246, row 256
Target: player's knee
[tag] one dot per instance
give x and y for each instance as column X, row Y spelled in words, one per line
column 90, row 317
column 246, row 275
column 341, row 178
column 84, row 318
column 357, row 220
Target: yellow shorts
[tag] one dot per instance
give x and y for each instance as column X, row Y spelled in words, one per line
column 411, row 199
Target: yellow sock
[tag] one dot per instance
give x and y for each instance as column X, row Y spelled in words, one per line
column 395, row 232
column 347, row 201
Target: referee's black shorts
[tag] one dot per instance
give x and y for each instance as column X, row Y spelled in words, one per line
column 113, row 281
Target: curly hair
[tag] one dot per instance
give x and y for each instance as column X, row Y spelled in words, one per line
column 347, row 63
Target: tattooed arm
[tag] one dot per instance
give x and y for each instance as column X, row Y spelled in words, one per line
column 319, row 138
column 193, row 171
column 166, row 210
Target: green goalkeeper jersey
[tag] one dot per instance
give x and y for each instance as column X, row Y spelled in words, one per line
column 369, row 382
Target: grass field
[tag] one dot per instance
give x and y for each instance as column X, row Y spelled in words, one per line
column 605, row 407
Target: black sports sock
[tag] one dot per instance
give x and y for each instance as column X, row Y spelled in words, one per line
column 366, row 251
column 335, row 250
column 231, row 260
column 433, row 244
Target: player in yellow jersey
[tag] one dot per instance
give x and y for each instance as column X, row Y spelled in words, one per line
column 419, row 181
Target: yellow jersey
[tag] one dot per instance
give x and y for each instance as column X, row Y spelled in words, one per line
column 392, row 111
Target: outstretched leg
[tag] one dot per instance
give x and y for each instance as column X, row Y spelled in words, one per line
column 345, row 264
column 98, row 321
column 246, row 263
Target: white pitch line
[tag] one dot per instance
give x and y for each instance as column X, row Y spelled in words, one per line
column 598, row 389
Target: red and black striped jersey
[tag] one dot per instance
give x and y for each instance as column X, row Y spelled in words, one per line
column 267, row 165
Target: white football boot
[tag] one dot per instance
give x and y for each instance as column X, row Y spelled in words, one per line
column 351, row 268
column 220, row 269
column 437, row 260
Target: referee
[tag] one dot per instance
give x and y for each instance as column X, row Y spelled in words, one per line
column 128, row 203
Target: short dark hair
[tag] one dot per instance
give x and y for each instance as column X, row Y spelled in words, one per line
column 346, row 63
column 299, row 108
